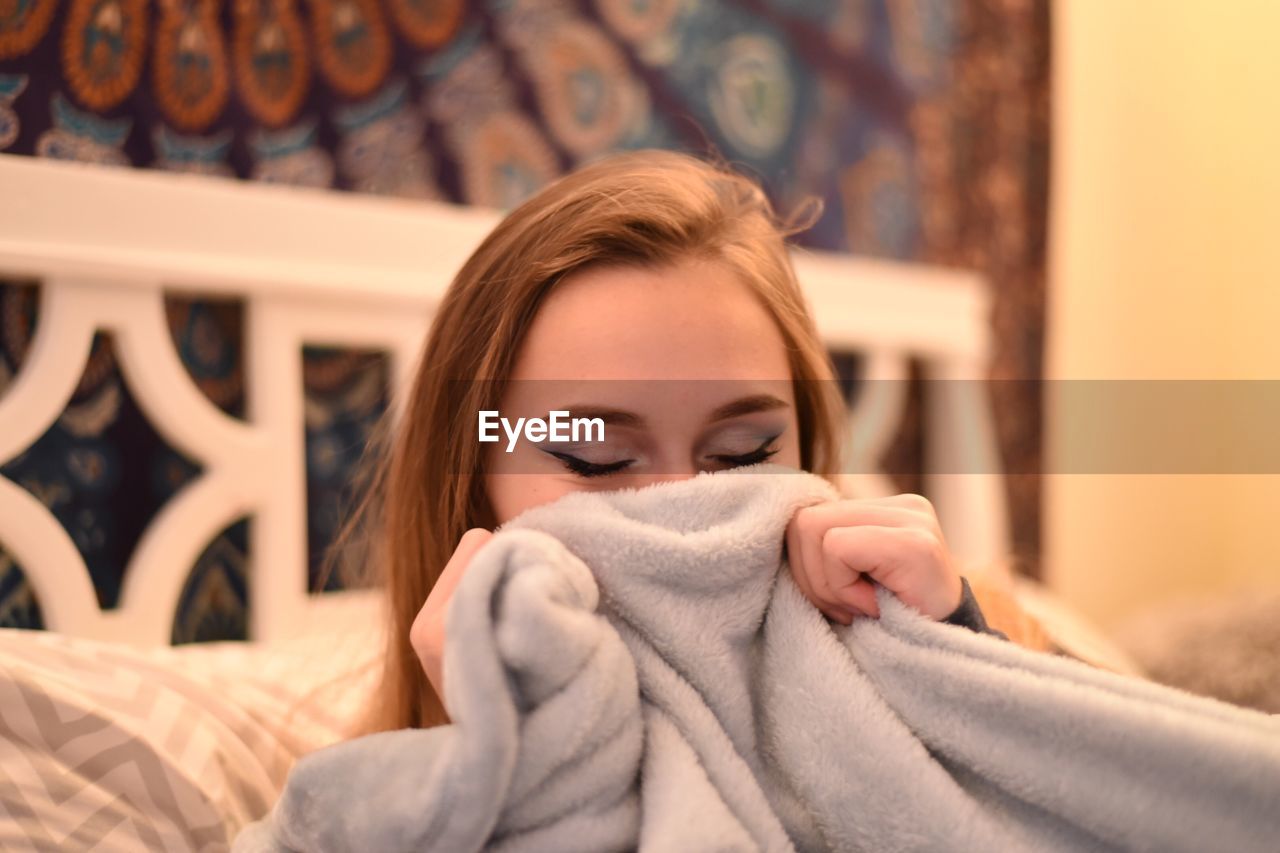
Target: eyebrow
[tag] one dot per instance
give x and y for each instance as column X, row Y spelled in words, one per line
column 747, row 406
column 732, row 409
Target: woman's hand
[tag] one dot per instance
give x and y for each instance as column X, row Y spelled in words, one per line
column 427, row 633
column 837, row 549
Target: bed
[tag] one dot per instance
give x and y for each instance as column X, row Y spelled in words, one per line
column 221, row 724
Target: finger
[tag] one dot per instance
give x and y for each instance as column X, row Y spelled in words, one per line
column 810, row 524
column 826, row 576
column 426, row 634
column 862, row 595
column 882, row 512
column 903, row 560
column 904, row 511
column 910, row 500
column 471, row 542
column 839, row 616
column 851, row 590
column 795, row 561
column 917, row 505
column 898, row 511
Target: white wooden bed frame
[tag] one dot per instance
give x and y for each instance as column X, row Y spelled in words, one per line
column 327, row 268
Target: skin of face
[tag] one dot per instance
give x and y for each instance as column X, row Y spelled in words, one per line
column 671, row 347
column 686, row 353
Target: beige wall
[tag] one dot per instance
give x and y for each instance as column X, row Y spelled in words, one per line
column 1165, row 263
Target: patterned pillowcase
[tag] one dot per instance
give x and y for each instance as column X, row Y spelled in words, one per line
column 176, row 749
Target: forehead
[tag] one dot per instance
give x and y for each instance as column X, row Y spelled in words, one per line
column 691, row 320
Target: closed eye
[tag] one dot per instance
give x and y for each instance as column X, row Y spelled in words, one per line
column 760, row 454
column 583, row 468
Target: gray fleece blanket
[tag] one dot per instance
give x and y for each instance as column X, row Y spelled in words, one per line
column 636, row 669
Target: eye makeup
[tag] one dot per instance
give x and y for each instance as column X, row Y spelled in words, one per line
column 745, row 431
column 761, row 453
column 587, row 468
column 583, row 468
column 597, row 459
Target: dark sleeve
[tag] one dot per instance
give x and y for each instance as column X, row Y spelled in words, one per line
column 969, row 615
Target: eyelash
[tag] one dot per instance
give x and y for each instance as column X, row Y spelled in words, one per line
column 583, row 468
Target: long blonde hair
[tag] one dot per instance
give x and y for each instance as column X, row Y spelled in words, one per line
column 647, row 208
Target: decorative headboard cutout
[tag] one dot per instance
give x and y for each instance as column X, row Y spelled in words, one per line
column 326, row 270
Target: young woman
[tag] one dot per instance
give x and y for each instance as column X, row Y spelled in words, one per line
column 659, row 289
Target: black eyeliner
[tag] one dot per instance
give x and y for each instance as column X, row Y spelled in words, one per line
column 583, row 468
column 586, row 469
column 760, row 454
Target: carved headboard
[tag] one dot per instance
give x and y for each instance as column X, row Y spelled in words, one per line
column 321, row 268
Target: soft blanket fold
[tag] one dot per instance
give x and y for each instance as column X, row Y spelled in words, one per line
column 682, row 695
